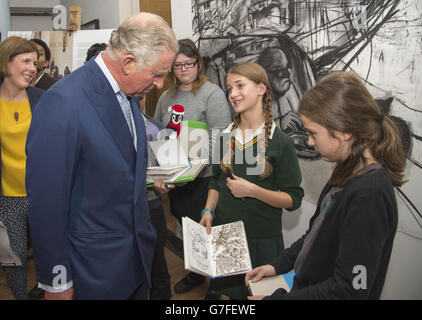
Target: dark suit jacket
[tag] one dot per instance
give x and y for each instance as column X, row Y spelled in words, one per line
column 45, row 82
column 86, row 187
column 34, row 95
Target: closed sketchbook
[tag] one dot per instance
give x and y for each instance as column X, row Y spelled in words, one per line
column 7, row 256
column 176, row 174
column 222, row 253
column 267, row 285
column 174, row 166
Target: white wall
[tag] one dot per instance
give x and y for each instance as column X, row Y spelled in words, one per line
column 107, row 11
column 181, row 18
column 4, row 19
column 127, row 8
column 34, row 3
column 110, row 13
column 404, row 273
column 33, row 23
column 403, row 277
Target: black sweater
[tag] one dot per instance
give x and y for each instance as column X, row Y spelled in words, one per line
column 353, row 244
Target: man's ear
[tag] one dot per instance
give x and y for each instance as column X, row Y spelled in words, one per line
column 128, row 63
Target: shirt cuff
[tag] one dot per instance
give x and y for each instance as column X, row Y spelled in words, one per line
column 56, row 289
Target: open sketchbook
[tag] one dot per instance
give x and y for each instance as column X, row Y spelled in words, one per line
column 7, row 256
column 222, row 253
column 266, row 286
column 174, row 166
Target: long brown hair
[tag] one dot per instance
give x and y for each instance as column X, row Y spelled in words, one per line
column 257, row 74
column 341, row 102
column 189, row 49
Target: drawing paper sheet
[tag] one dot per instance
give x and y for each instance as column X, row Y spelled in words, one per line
column 197, row 251
column 230, row 249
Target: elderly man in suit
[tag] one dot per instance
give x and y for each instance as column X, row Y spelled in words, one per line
column 86, row 166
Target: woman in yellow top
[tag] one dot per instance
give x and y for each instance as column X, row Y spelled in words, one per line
column 18, row 65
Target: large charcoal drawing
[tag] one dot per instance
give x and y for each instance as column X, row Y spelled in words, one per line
column 299, row 41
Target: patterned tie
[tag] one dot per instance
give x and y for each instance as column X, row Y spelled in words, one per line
column 126, row 110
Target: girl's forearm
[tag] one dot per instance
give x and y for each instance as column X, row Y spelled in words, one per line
column 212, row 199
column 276, row 199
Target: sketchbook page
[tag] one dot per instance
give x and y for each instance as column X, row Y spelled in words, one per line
column 196, row 248
column 230, row 251
column 7, row 256
column 194, row 170
column 169, row 152
column 266, row 286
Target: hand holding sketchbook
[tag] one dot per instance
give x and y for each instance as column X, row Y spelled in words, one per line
column 222, row 253
column 267, row 285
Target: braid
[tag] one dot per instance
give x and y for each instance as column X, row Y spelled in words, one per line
column 267, row 130
column 225, row 163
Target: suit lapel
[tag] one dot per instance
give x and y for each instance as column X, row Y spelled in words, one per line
column 104, row 101
column 141, row 155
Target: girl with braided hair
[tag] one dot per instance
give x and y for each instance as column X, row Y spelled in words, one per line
column 258, row 175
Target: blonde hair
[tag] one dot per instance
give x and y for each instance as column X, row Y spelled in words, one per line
column 145, row 35
column 257, row 74
column 341, row 102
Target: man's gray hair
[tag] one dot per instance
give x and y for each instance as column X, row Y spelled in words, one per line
column 145, row 35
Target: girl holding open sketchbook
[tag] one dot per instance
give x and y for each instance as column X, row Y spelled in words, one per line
column 258, row 175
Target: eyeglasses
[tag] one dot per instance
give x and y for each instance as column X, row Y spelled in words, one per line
column 187, row 65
